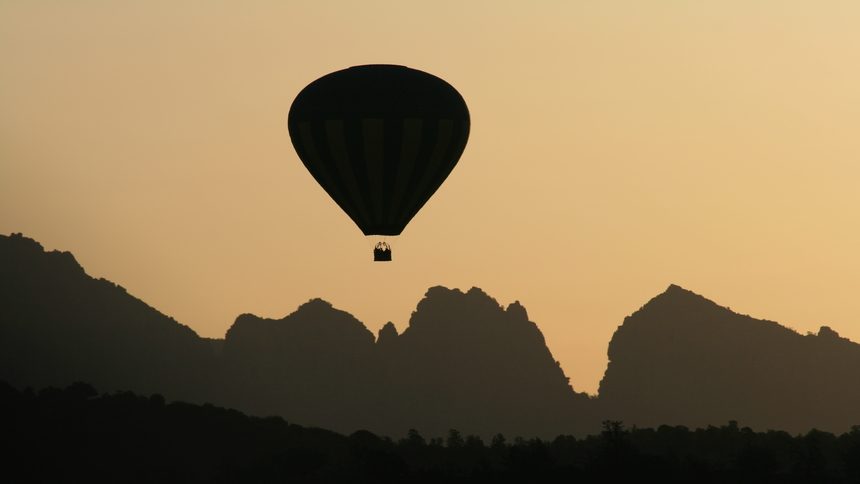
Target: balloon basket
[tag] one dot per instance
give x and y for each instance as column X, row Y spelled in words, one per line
column 382, row 252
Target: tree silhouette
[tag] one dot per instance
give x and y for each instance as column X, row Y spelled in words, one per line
column 75, row 435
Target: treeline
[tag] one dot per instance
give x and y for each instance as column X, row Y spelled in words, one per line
column 76, row 435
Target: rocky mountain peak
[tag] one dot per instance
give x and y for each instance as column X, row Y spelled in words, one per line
column 387, row 334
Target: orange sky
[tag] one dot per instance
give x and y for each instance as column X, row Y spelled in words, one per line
column 616, row 147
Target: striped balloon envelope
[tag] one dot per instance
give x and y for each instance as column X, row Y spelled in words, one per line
column 380, row 140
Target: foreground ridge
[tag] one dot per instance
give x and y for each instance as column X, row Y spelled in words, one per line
column 84, row 436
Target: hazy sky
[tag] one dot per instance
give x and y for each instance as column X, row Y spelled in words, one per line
column 616, row 147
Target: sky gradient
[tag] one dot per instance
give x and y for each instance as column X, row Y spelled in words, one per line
column 616, row 147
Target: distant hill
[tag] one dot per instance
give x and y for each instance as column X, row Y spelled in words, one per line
column 59, row 325
column 475, row 365
column 464, row 361
column 682, row 359
column 314, row 366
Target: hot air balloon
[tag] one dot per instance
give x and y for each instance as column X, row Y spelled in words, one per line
column 380, row 140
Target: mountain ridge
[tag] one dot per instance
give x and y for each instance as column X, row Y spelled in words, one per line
column 463, row 361
column 685, row 360
column 317, row 365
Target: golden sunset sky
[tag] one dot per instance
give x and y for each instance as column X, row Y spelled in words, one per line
column 616, row 147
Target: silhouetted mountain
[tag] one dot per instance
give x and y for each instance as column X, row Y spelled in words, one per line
column 387, row 335
column 313, row 366
column 58, row 325
column 463, row 361
column 682, row 359
column 469, row 364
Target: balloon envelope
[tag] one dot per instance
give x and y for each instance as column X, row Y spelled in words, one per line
column 380, row 140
